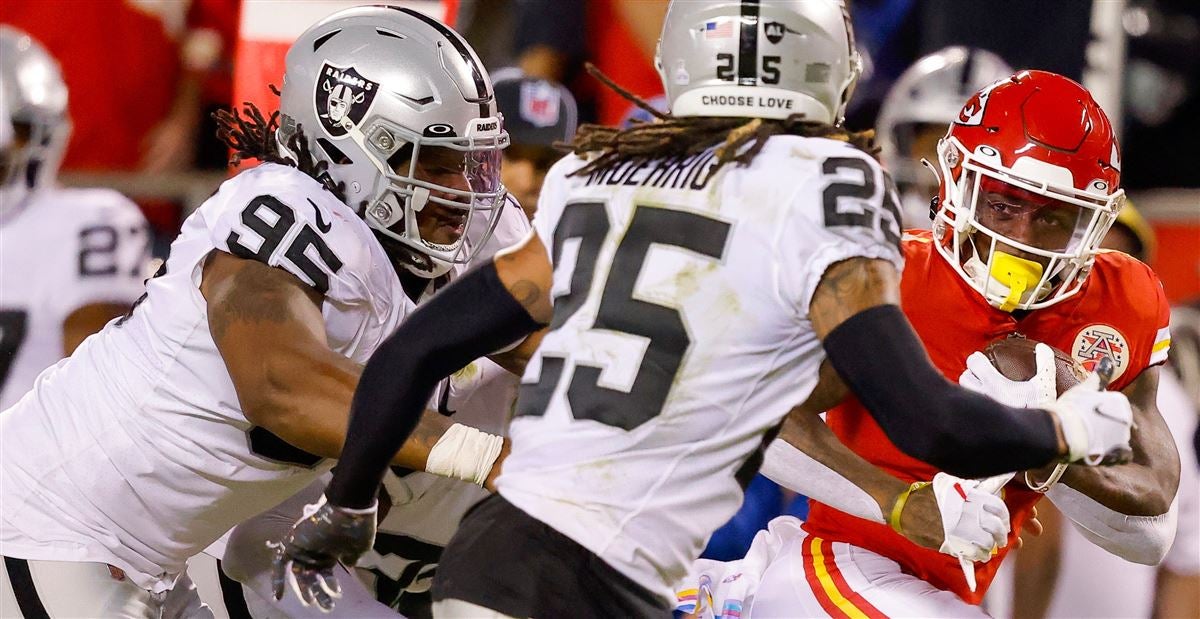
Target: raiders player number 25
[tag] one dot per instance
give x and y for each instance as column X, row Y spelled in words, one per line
column 695, row 293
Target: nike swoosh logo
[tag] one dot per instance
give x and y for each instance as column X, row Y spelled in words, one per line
column 322, row 225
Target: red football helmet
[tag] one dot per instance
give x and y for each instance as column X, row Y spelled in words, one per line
column 1030, row 183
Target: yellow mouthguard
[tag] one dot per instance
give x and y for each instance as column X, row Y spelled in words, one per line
column 1016, row 273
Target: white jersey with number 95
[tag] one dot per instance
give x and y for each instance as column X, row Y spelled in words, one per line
column 135, row 451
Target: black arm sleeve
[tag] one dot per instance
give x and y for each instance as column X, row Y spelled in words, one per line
column 879, row 357
column 471, row 318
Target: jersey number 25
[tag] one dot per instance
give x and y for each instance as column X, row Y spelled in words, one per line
column 620, row 311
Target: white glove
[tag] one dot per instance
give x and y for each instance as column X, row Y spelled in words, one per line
column 982, row 377
column 1095, row 423
column 974, row 519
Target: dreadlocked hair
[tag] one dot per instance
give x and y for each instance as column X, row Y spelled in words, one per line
column 250, row 135
column 668, row 136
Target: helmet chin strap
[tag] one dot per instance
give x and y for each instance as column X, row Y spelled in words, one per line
column 1010, row 277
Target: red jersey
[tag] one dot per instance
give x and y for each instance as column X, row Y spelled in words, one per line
column 1121, row 312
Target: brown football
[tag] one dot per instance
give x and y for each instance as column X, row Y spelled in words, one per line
column 1013, row 356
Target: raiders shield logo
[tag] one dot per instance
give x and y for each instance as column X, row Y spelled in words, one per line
column 342, row 98
column 775, row 31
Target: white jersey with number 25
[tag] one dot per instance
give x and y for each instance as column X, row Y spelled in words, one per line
column 680, row 336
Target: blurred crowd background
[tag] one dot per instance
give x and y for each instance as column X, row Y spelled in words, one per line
column 145, row 76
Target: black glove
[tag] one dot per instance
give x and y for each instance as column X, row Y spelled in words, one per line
column 306, row 557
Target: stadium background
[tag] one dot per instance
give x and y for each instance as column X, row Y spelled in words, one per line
column 144, row 76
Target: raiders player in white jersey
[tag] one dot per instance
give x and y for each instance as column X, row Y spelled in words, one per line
column 704, row 266
column 425, row 509
column 71, row 259
column 231, row 381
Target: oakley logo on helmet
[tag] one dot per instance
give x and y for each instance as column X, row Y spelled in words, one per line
column 342, row 98
column 440, row 130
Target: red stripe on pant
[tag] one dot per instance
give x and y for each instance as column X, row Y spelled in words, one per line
column 859, row 601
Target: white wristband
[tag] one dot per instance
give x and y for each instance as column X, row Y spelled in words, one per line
column 464, row 453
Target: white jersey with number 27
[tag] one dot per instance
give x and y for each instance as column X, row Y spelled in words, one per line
column 60, row 250
column 680, row 336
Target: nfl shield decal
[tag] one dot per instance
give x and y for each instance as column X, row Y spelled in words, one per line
column 540, row 103
column 1095, row 342
column 342, row 98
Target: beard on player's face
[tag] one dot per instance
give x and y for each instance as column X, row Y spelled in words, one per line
column 438, row 223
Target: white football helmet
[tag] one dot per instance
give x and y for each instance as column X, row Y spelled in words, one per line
column 760, row 60
column 371, row 87
column 35, row 116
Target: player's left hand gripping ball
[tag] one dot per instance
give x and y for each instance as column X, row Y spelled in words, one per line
column 982, row 377
column 306, row 558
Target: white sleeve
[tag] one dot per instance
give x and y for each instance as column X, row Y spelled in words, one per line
column 321, row 243
column 1140, row 539
column 114, row 249
column 847, row 210
column 793, row 469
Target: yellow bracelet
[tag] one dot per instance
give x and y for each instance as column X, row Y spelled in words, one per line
column 901, row 501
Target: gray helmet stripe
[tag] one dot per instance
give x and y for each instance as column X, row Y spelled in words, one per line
column 964, row 80
column 748, row 44
column 460, row 46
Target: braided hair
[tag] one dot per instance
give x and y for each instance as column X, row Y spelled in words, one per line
column 670, row 136
column 250, row 135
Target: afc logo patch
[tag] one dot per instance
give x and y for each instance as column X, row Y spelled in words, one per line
column 1095, row 342
column 342, row 98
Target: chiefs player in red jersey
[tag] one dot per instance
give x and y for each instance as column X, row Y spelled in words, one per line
column 1029, row 185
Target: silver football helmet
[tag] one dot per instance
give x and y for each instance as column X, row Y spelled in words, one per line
column 930, row 92
column 373, row 88
column 35, row 113
column 767, row 59
column 922, row 102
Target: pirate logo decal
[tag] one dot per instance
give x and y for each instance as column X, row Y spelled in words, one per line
column 1097, row 341
column 342, row 98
